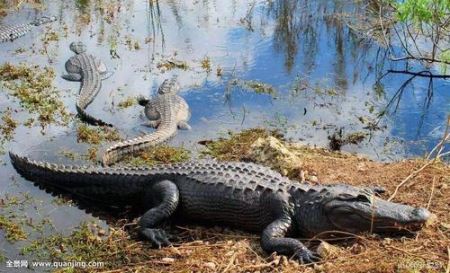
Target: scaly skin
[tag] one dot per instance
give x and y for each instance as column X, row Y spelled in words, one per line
column 86, row 69
column 166, row 111
column 10, row 33
column 242, row 195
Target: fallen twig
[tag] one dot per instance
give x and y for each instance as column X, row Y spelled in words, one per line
column 411, row 175
column 448, row 264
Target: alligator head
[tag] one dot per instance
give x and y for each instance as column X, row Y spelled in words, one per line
column 355, row 210
column 77, row 47
column 169, row 86
column 43, row 20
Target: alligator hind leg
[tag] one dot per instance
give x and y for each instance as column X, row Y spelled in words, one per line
column 183, row 125
column 165, row 196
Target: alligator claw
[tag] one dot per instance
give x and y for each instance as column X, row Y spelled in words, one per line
column 306, row 256
column 156, row 236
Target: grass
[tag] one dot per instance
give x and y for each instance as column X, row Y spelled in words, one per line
column 237, row 147
column 255, row 86
column 206, row 64
column 96, row 135
column 173, row 64
column 156, row 155
column 33, row 87
column 8, row 126
column 13, row 231
column 128, row 102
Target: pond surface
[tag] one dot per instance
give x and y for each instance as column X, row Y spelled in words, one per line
column 323, row 76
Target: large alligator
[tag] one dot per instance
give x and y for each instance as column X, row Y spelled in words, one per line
column 242, row 195
column 10, row 33
column 166, row 112
column 90, row 71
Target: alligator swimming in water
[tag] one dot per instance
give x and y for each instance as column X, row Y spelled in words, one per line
column 90, row 71
column 166, row 112
column 242, row 195
column 10, row 33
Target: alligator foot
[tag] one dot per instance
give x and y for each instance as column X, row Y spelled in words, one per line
column 306, row 256
column 73, row 77
column 183, row 125
column 156, row 236
column 152, row 123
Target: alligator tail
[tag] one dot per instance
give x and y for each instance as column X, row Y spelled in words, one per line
column 48, row 173
column 118, row 151
column 84, row 116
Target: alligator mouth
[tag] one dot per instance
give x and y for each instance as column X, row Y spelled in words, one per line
column 397, row 227
column 389, row 225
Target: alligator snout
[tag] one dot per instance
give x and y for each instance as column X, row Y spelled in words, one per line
column 420, row 214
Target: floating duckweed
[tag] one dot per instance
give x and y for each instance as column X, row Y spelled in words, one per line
column 96, row 135
column 33, row 86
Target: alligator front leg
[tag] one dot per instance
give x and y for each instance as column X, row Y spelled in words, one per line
column 273, row 240
column 73, row 77
column 165, row 196
column 103, row 70
column 152, row 123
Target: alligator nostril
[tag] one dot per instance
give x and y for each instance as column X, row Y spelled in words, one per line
column 421, row 214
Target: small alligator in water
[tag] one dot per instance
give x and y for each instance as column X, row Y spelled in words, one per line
column 10, row 33
column 243, row 195
column 166, row 112
column 90, row 71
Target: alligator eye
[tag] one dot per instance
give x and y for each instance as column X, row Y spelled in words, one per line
column 362, row 198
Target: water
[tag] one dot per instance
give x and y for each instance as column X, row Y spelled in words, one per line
column 323, row 72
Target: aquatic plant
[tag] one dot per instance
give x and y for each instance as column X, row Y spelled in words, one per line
column 33, row 87
column 96, row 135
column 158, row 155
